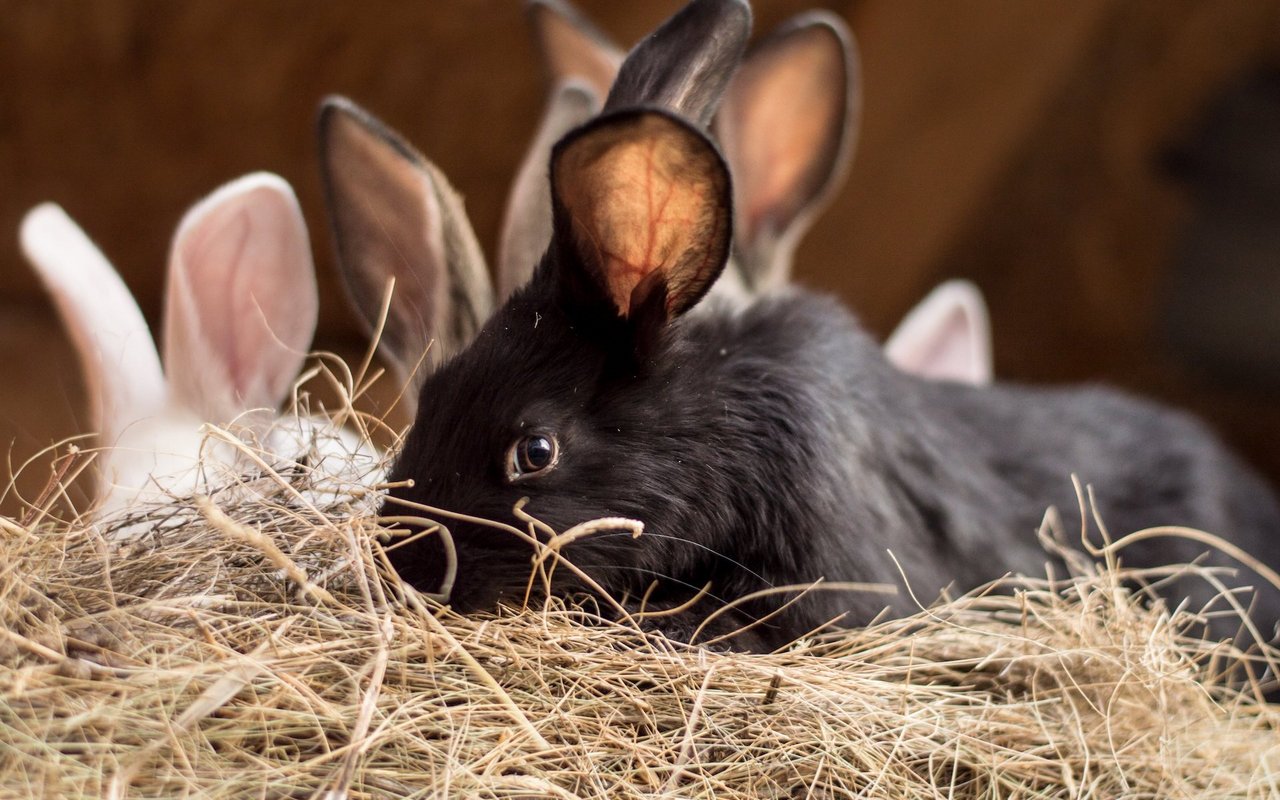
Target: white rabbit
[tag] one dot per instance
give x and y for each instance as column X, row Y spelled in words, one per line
column 239, row 317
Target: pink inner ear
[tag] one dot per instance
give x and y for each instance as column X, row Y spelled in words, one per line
column 647, row 228
column 946, row 337
column 242, row 302
column 780, row 125
column 950, row 356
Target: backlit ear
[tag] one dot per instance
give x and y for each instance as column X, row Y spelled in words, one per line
column 642, row 211
column 787, row 125
column 395, row 216
column 946, row 337
column 573, row 48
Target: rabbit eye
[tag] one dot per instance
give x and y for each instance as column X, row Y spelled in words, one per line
column 532, row 455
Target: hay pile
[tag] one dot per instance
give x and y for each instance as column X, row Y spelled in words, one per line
column 247, row 648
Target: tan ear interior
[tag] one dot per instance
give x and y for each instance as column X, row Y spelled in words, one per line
column 647, row 199
column 782, row 125
column 388, row 224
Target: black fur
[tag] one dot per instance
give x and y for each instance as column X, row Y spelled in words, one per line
column 776, row 446
column 773, row 445
column 685, row 65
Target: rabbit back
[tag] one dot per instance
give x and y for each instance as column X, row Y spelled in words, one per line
column 775, row 445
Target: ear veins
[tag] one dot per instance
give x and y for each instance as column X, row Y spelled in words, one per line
column 640, row 235
column 647, row 200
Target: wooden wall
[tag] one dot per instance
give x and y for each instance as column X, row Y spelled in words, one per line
column 1014, row 143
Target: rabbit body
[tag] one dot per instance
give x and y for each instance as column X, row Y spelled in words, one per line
column 775, row 445
column 763, row 439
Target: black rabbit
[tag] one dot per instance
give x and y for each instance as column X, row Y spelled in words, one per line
column 761, row 444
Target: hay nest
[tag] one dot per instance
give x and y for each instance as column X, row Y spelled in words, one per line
column 246, row 646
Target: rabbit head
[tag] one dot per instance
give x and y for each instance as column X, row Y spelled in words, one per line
column 642, row 224
column 240, row 312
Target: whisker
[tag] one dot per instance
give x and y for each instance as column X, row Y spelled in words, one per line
column 703, row 590
column 716, row 553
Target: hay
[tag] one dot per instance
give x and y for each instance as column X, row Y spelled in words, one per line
column 246, row 647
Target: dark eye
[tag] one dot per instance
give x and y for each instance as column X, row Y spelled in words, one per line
column 532, row 455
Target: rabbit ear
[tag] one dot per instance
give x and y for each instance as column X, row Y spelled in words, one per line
column 685, row 65
column 121, row 367
column 573, row 48
column 241, row 306
column 643, row 213
column 395, row 217
column 526, row 229
column 787, row 126
column 946, row 337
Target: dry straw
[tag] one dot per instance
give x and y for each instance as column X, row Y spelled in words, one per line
column 246, row 645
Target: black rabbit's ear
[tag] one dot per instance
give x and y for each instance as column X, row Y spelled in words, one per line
column 685, row 65
column 394, row 216
column 643, row 213
column 787, row 125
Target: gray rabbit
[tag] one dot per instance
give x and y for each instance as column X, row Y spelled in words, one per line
column 762, row 444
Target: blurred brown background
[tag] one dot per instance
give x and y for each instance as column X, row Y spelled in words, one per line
column 1023, row 145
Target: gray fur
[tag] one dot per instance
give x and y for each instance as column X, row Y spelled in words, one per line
column 776, row 446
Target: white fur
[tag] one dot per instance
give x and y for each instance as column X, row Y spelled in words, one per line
column 107, row 328
column 239, row 317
